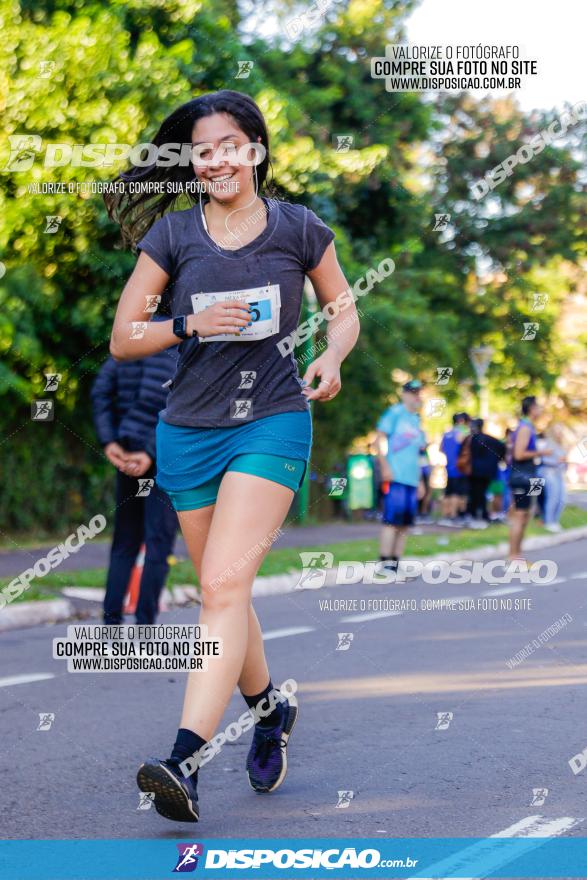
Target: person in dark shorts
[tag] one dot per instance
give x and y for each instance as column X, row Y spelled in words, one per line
column 400, row 440
column 456, row 492
column 486, row 453
column 126, row 400
column 524, row 483
column 233, row 442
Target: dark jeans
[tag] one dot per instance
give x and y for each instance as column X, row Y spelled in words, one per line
column 146, row 519
column 477, row 496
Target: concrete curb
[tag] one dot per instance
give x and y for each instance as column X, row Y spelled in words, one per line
column 83, row 602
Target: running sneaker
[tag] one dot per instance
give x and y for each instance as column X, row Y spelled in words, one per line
column 175, row 795
column 267, row 758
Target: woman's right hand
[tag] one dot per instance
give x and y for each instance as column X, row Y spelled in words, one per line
column 223, row 317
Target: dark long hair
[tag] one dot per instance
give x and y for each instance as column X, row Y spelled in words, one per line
column 136, row 212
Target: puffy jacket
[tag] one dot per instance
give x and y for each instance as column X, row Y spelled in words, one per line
column 127, row 397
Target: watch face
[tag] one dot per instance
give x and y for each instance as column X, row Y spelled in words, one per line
column 179, row 327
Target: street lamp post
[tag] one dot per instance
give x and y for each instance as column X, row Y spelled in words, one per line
column 481, row 358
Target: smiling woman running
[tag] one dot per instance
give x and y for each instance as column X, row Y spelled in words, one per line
column 234, row 440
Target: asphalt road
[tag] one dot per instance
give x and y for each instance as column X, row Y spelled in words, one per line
column 368, row 719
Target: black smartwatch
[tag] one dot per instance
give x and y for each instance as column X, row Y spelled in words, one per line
column 180, row 328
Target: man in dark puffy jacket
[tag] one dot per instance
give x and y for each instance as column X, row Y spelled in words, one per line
column 486, row 453
column 126, row 400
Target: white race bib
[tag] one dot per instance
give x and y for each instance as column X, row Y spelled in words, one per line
column 265, row 303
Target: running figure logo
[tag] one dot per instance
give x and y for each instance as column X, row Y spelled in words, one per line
column 539, row 795
column 52, row 381
column 530, row 331
column 337, row 486
column 23, row 149
column 187, row 859
column 138, row 329
column 42, row 410
column 313, row 574
column 244, row 69
column 444, row 719
column 145, row 487
column 240, row 409
column 46, row 719
column 247, row 378
column 435, row 407
column 444, row 374
column 146, row 799
column 53, row 222
column 343, row 142
column 344, row 641
column 344, row 799
column 539, row 301
column 152, row 300
column 441, row 222
column 536, row 486
column 46, row 68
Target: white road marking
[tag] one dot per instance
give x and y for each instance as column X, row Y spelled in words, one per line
column 483, row 859
column 369, row 615
column 25, row 679
column 287, row 631
column 538, row 826
column 505, row 591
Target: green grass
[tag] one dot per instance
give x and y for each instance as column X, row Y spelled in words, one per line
column 288, row 559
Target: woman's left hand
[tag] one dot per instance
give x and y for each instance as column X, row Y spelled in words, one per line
column 327, row 369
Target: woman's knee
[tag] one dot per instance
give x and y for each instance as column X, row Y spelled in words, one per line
column 225, row 590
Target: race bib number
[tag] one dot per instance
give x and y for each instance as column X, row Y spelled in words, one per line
column 265, row 303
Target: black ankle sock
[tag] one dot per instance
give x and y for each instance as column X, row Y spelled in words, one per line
column 186, row 744
column 275, row 717
column 389, row 559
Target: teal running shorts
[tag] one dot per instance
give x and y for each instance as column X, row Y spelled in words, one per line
column 286, row 471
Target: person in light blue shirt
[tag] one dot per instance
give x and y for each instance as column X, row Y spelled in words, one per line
column 399, row 429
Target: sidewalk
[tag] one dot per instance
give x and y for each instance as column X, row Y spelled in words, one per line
column 94, row 554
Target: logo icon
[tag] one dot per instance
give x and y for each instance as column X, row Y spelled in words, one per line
column 23, row 149
column 337, row 486
column 435, row 407
column 42, row 411
column 138, row 329
column 536, row 485
column 52, row 381
column 539, row 301
column 152, row 300
column 187, row 859
column 145, row 486
column 46, row 68
column 146, row 799
column 244, row 69
column 530, row 330
column 53, row 223
column 247, row 378
column 313, row 574
column 344, row 799
column 444, row 374
column 46, row 719
column 444, row 719
column 441, row 222
column 241, row 409
column 344, row 641
column 539, row 795
column 344, row 142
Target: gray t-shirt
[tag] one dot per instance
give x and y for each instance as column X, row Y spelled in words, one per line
column 218, row 384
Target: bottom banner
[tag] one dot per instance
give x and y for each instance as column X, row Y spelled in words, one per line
column 285, row 858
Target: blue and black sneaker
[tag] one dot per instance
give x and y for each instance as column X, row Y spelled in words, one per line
column 175, row 795
column 267, row 758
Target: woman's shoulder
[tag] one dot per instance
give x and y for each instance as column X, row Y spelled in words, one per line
column 292, row 212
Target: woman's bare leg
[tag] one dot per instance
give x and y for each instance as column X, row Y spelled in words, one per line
column 247, row 512
column 254, row 676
